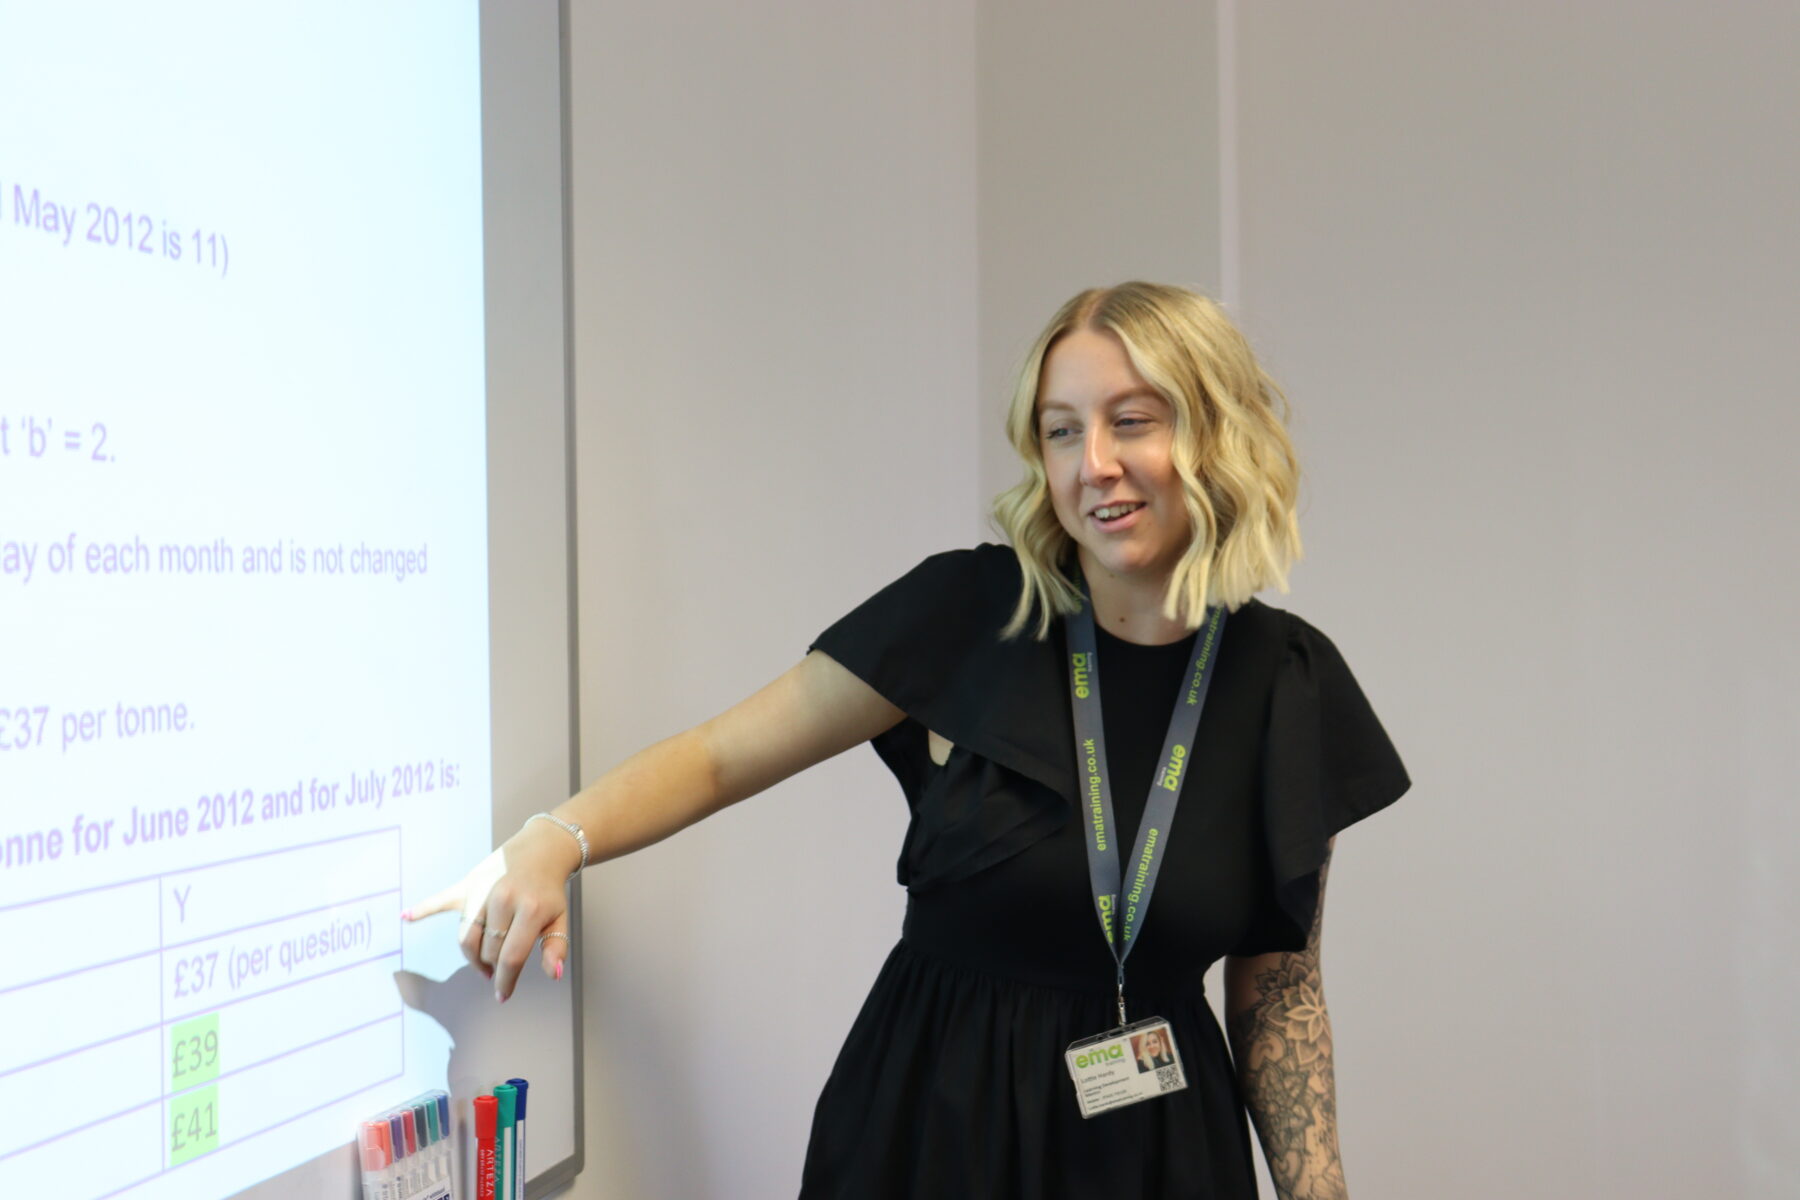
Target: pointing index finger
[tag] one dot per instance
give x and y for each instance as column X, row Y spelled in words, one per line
column 446, row 900
column 469, row 895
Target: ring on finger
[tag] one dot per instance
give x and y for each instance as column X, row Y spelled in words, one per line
column 496, row 933
column 556, row 933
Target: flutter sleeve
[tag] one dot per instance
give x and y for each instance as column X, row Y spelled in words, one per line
column 1326, row 764
column 906, row 640
column 930, row 644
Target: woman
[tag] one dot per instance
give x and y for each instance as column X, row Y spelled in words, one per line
column 1152, row 1052
column 1158, row 497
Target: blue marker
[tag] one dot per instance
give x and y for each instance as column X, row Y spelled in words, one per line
column 519, row 1139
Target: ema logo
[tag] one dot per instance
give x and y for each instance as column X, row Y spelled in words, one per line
column 1080, row 664
column 1171, row 776
column 1100, row 1057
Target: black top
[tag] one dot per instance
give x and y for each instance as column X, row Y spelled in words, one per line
column 952, row 1082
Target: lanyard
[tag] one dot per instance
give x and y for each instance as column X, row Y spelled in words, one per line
column 1165, row 787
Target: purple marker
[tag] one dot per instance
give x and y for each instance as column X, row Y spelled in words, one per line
column 403, row 1180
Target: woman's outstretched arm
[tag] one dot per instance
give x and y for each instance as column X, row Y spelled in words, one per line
column 1281, row 1040
column 517, row 895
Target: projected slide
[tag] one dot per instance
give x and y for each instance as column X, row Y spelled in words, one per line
column 243, row 575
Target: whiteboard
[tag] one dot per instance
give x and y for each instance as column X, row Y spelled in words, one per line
column 284, row 508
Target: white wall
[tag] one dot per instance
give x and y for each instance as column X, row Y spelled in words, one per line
column 1097, row 130
column 1527, row 271
column 774, row 301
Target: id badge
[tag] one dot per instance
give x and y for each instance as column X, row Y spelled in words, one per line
column 1125, row 1066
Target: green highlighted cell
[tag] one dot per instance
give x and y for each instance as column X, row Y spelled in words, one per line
column 193, row 1124
column 194, row 1052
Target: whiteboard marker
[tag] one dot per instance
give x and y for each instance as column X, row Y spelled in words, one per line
column 415, row 1160
column 506, row 1153
column 485, row 1116
column 443, row 1119
column 440, row 1164
column 377, row 1161
column 428, row 1155
column 397, row 1139
column 519, row 1172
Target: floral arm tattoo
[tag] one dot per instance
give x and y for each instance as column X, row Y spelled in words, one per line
column 1281, row 1041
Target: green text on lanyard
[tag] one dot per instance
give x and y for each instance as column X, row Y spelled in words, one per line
column 1165, row 785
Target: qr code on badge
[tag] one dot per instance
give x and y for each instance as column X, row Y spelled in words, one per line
column 1168, row 1078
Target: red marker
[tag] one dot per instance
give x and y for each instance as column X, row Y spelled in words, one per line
column 415, row 1170
column 486, row 1115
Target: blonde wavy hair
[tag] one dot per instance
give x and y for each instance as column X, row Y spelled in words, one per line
column 1240, row 479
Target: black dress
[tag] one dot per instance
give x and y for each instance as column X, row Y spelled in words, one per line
column 951, row 1082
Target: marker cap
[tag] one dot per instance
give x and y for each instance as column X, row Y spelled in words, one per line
column 520, row 1086
column 485, row 1114
column 508, row 1096
column 377, row 1153
column 417, row 1109
column 443, row 1111
column 412, row 1135
column 396, row 1136
column 428, row 1106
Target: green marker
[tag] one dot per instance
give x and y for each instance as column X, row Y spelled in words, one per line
column 427, row 1139
column 506, row 1157
column 437, row 1135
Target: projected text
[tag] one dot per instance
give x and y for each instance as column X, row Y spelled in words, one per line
column 39, row 212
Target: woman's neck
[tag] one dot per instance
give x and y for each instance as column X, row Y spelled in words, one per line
column 1130, row 607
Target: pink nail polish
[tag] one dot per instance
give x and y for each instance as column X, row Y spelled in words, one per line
column 406, row 914
column 559, row 968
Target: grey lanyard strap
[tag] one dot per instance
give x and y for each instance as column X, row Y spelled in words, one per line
column 1165, row 787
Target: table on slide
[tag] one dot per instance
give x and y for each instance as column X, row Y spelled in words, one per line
column 165, row 1017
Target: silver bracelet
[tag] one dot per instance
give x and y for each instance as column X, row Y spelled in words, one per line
column 574, row 831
